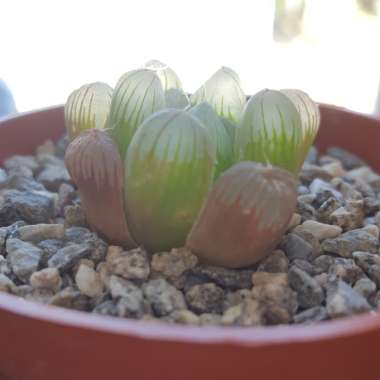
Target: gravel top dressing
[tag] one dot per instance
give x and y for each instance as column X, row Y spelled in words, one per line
column 327, row 265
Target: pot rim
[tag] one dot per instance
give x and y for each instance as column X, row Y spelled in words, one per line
column 156, row 331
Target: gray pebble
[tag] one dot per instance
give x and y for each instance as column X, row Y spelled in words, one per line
column 119, row 287
column 4, row 266
column 18, row 161
column 106, row 308
column 323, row 263
column 74, row 216
column 306, row 266
column 205, row 298
column 231, row 279
column 22, row 183
column 66, row 257
column 351, row 241
column 32, row 207
column 348, row 159
column 70, row 298
column 346, row 270
column 342, row 301
column 365, row 287
column 296, row 248
column 163, row 297
column 6, row 284
column 37, row 232
column 365, row 259
column 23, row 258
column 52, row 176
column 309, row 292
column 49, row 248
column 319, row 186
column 275, row 262
column 312, row 315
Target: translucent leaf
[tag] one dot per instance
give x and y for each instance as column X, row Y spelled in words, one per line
column 218, row 132
column 168, row 77
column 87, row 108
column 137, row 95
column 169, row 169
column 310, row 116
column 224, row 93
column 271, row 131
column 176, row 98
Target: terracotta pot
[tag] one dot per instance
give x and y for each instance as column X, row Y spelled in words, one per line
column 41, row 342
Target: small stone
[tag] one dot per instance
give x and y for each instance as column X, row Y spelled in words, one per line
column 364, row 174
column 307, row 198
column 3, row 238
column 306, row 266
column 351, row 241
column 325, row 159
column 40, row 295
column 66, row 257
column 276, row 262
column 23, row 183
column 88, row 281
column 327, row 208
column 264, row 278
column 335, row 169
column 372, row 229
column 305, row 209
column 348, row 159
column 210, row 319
column 52, row 177
column 349, row 217
column 24, row 258
column 247, row 313
column 186, row 317
column 4, row 266
column 174, row 263
column 104, row 274
column 231, row 279
column 131, row 265
column 371, row 205
column 3, row 177
column 310, row 172
column 365, row 259
column 119, row 287
column 6, row 284
column 309, row 292
column 347, row 190
column 320, row 231
column 312, row 315
column 322, row 280
column 365, row 287
column 374, row 274
column 71, row 299
column 47, row 278
column 163, row 297
column 38, row 232
column 74, row 216
column 312, row 155
column 49, row 248
column 131, row 304
column 32, row 207
column 319, row 186
column 205, row 298
column 66, row 195
column 346, row 270
column 16, row 162
column 235, row 298
column 106, row 308
column 294, row 221
column 296, row 248
column 342, row 301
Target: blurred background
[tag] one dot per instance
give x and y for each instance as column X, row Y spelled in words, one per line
column 329, row 48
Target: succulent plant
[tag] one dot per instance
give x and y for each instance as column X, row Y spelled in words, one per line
column 165, row 174
column 87, row 107
column 278, row 128
column 224, row 93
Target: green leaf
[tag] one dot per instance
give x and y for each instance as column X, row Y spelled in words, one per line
column 169, row 169
column 310, row 117
column 271, row 132
column 176, row 98
column 224, row 93
column 87, row 108
column 219, row 134
column 137, row 95
column 169, row 79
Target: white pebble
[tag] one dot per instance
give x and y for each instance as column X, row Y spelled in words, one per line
column 48, row 278
column 88, row 281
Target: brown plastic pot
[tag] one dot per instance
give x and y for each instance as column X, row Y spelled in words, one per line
column 42, row 342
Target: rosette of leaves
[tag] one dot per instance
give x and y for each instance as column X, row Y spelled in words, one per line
column 278, row 128
column 87, row 108
column 162, row 177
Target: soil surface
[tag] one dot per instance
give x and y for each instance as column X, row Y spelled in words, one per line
column 327, row 265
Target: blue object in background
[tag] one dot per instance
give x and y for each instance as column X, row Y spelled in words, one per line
column 7, row 103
